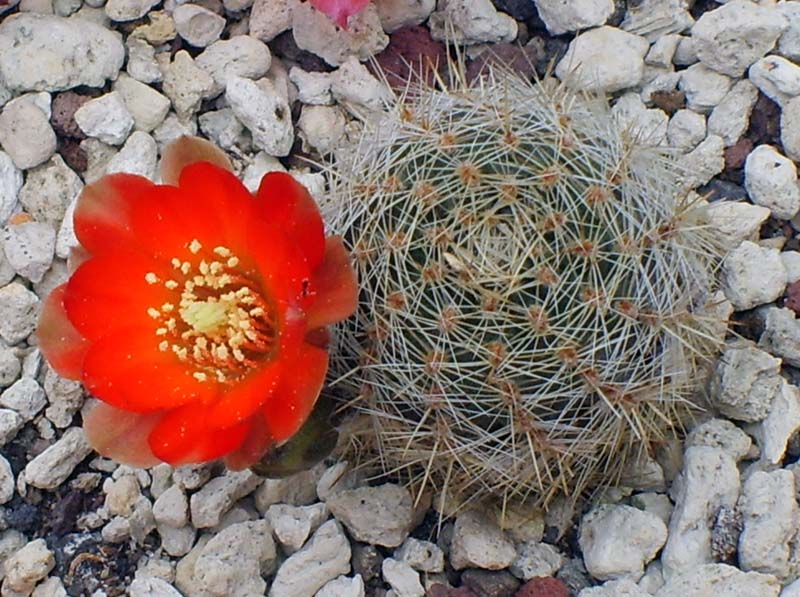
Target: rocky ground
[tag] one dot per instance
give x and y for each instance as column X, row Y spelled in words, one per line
column 89, row 87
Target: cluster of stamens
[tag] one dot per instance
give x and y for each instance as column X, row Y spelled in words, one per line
column 219, row 324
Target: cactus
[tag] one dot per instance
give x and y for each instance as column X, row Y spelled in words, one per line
column 533, row 281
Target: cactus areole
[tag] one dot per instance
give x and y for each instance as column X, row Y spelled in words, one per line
column 535, row 291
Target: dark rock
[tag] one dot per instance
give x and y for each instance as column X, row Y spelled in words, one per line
column 573, row 574
column 725, row 535
column 24, row 517
column 73, row 154
column 765, row 122
column 543, row 586
column 490, row 583
column 65, row 512
column 722, row 190
column 736, row 154
column 63, row 111
column 520, row 10
column 284, row 46
column 520, row 60
column 367, row 561
column 793, row 297
column 669, row 101
column 440, row 590
column 411, row 51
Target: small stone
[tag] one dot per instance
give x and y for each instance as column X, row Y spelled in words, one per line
column 186, row 85
column 142, row 64
column 323, row 558
column 297, row 490
column 398, row 14
column 663, row 50
column 421, row 555
column 704, row 88
column 29, row 248
column 25, row 131
column 647, row 126
column 10, row 423
column 323, row 127
column 49, row 53
column 353, row 84
column 479, row 543
column 313, row 88
column 745, row 381
column 26, row 397
column 233, row 561
column 790, row 128
column 536, row 559
column 292, row 525
column 731, row 117
column 605, row 59
column 781, row 335
column 753, row 276
column 197, row 25
column 343, row 586
column 495, row 583
column 709, row 480
column 471, row 22
column 382, row 515
column 704, row 162
column 49, row 190
column 771, row 181
column 121, row 495
column 770, row 513
column 52, row 467
column 10, row 184
column 172, row 128
column 146, row 105
column 317, row 33
column 573, row 15
column 176, row 541
column 618, row 541
column 240, row 56
column 402, row 578
column 28, row 566
column 160, row 30
column 776, row 77
column 720, row 580
column 736, row 221
column 152, row 587
column 52, row 587
column 105, row 118
column 172, row 507
column 615, row 588
column 19, row 309
column 222, row 128
column 783, row 420
column 6, row 481
column 656, row 18
column 722, row 434
column 218, row 495
column 789, row 42
column 128, row 10
column 137, row 156
column 269, row 18
column 264, row 112
column 117, row 530
column 686, row 129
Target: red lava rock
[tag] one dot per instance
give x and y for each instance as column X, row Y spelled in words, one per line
column 74, row 156
column 63, row 114
column 736, row 154
column 490, row 583
column 793, row 297
column 669, row 101
column 411, row 50
column 543, row 586
column 440, row 590
column 765, row 122
column 521, row 60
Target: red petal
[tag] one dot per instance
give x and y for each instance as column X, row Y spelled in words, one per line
column 102, row 214
column 284, row 201
column 293, row 400
column 185, row 151
column 184, row 436
column 334, row 286
column 121, row 435
column 127, row 370
column 244, row 398
column 340, row 10
column 253, row 448
column 61, row 344
column 110, row 291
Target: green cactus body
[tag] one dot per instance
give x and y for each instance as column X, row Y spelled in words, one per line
column 531, row 285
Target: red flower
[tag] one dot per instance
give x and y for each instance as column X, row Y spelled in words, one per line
column 340, row 11
column 199, row 314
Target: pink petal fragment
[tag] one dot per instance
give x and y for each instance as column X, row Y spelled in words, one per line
column 188, row 150
column 61, row 344
column 119, row 434
column 340, row 10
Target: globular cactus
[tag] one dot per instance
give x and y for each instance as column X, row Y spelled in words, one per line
column 533, row 281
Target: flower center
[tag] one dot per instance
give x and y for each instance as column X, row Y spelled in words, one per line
column 220, row 323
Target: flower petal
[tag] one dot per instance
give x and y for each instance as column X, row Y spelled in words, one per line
column 110, row 291
column 244, row 398
column 334, row 286
column 127, row 370
column 102, row 213
column 185, row 436
column 186, row 150
column 290, row 404
column 285, row 202
column 61, row 344
column 253, row 448
column 121, row 435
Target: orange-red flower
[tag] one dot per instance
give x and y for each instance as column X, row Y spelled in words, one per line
column 198, row 316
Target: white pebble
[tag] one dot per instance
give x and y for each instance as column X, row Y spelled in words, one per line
column 105, row 118
column 771, row 181
column 197, row 25
column 29, row 248
column 753, row 276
